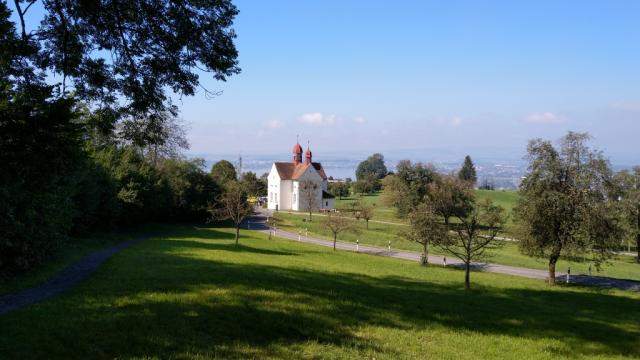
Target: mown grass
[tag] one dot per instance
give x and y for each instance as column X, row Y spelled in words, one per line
column 505, row 198
column 194, row 295
column 379, row 234
column 380, row 211
column 72, row 250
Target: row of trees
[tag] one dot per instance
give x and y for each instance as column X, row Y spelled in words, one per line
column 571, row 203
column 89, row 136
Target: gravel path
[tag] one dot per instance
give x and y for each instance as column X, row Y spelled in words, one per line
column 67, row 278
column 258, row 223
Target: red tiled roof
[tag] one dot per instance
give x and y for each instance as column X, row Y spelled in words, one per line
column 291, row 171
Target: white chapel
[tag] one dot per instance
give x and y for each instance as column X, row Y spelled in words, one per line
column 285, row 179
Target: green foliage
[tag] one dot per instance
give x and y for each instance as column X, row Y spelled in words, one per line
column 146, row 48
column 367, row 185
column 192, row 190
column 408, row 186
column 339, row 189
column 450, row 197
column 372, row 168
column 425, row 228
column 73, row 153
column 39, row 153
column 224, row 171
column 564, row 205
column 627, row 191
column 468, row 171
column 255, row 186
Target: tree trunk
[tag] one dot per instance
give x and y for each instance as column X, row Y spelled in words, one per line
column 553, row 259
column 552, row 270
column 367, row 220
column 334, row 241
column 237, row 233
column 467, row 270
column 425, row 253
column 638, row 247
column 309, row 212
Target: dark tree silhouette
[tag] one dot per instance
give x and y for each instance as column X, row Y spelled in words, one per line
column 468, row 171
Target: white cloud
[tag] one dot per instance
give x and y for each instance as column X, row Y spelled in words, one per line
column 275, row 124
column 360, row 120
column 545, row 118
column 455, row 122
column 317, row 118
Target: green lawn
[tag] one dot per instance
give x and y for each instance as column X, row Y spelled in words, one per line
column 380, row 212
column 73, row 250
column 623, row 267
column 506, row 199
column 193, row 295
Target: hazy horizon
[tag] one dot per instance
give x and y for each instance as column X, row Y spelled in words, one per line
column 455, row 78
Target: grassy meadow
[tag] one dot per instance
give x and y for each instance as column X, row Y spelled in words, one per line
column 389, row 228
column 192, row 294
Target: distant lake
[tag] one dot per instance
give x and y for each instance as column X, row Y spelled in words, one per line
column 503, row 174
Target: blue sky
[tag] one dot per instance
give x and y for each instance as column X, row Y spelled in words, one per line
column 476, row 77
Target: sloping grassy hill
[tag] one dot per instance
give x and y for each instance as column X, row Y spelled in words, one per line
column 192, row 295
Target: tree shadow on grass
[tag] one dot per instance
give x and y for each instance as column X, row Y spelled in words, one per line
column 218, row 309
column 216, row 240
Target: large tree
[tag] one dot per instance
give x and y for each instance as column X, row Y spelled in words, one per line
column 474, row 235
column 80, row 83
column 565, row 206
column 408, row 186
column 450, row 197
column 628, row 194
column 224, row 171
column 468, row 171
column 373, row 167
column 124, row 55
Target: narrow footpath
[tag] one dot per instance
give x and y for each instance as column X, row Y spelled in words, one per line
column 65, row 279
column 258, row 223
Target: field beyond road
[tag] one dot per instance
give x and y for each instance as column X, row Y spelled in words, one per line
column 192, row 294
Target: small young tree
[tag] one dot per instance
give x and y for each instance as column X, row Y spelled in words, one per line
column 425, row 229
column 273, row 222
column 468, row 171
column 309, row 195
column 366, row 212
column 337, row 223
column 474, row 235
column 232, row 205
